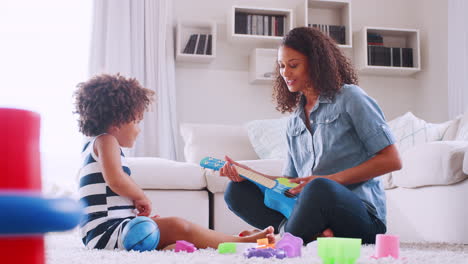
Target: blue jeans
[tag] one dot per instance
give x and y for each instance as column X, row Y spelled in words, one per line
column 322, row 204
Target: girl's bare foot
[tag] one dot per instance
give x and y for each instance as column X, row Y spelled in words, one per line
column 248, row 232
column 266, row 233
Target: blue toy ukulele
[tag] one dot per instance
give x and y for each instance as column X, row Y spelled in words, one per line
column 277, row 195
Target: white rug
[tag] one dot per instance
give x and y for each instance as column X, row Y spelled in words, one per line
column 67, row 248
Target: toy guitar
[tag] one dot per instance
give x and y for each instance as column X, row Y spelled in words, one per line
column 277, row 195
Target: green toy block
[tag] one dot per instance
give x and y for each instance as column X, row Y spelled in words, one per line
column 286, row 182
column 338, row 250
column 227, row 248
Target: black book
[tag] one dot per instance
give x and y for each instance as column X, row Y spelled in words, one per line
column 388, row 56
column 270, row 26
column 396, row 57
column 280, row 25
column 379, row 56
column 337, row 33
column 201, row 44
column 342, row 35
column 407, row 55
column 240, row 23
column 208, row 45
column 190, row 46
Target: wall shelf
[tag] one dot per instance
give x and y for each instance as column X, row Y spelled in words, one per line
column 326, row 12
column 186, row 29
column 261, row 62
column 249, row 37
column 392, row 37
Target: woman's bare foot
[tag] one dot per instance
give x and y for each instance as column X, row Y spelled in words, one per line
column 248, row 232
column 266, row 233
column 326, row 233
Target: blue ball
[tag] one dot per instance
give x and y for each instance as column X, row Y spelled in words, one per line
column 140, row 234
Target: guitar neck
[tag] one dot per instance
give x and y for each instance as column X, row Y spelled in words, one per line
column 255, row 177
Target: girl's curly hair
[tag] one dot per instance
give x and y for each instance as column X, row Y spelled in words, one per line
column 329, row 69
column 107, row 100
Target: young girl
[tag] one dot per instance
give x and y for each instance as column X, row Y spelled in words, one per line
column 110, row 108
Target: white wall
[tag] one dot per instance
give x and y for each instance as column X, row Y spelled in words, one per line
column 219, row 92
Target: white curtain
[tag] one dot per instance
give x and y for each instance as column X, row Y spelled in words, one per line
column 457, row 57
column 135, row 38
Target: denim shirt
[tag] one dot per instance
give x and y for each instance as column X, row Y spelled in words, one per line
column 345, row 132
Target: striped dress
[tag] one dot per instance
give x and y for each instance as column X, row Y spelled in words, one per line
column 106, row 213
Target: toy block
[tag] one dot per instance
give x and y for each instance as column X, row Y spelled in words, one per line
column 292, row 245
column 182, row 245
column 226, row 248
column 338, row 250
column 265, row 253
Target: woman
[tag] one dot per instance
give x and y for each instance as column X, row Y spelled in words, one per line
column 338, row 143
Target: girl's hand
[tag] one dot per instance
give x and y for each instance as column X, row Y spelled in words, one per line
column 302, row 183
column 229, row 171
column 143, row 206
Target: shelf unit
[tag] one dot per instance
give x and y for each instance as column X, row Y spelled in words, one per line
column 327, row 12
column 392, row 37
column 262, row 61
column 184, row 30
column 232, row 36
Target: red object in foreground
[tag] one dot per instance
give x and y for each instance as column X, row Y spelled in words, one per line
column 20, row 171
column 19, row 150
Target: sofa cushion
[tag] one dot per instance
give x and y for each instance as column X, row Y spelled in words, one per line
column 202, row 140
column 217, row 184
column 268, row 137
column 462, row 133
column 164, row 174
column 451, row 132
column 433, row 163
column 410, row 131
column 465, row 163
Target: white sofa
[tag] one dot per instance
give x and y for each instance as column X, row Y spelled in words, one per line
column 175, row 188
column 425, row 200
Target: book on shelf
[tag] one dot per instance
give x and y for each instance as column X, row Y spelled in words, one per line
column 270, row 26
column 191, row 43
column 255, row 24
column 336, row 32
column 209, row 45
column 259, row 25
column 240, row 23
column 378, row 55
column 396, row 57
column 201, row 44
column 280, row 20
column 407, row 57
column 374, row 39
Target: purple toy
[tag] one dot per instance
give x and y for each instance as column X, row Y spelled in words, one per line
column 292, row 245
column 182, row 245
column 265, row 253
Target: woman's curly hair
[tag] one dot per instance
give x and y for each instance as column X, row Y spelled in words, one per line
column 109, row 100
column 329, row 69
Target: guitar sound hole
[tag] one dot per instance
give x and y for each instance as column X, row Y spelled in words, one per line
column 288, row 194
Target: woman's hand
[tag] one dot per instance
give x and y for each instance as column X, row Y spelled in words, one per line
column 229, row 171
column 302, row 183
column 143, row 206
